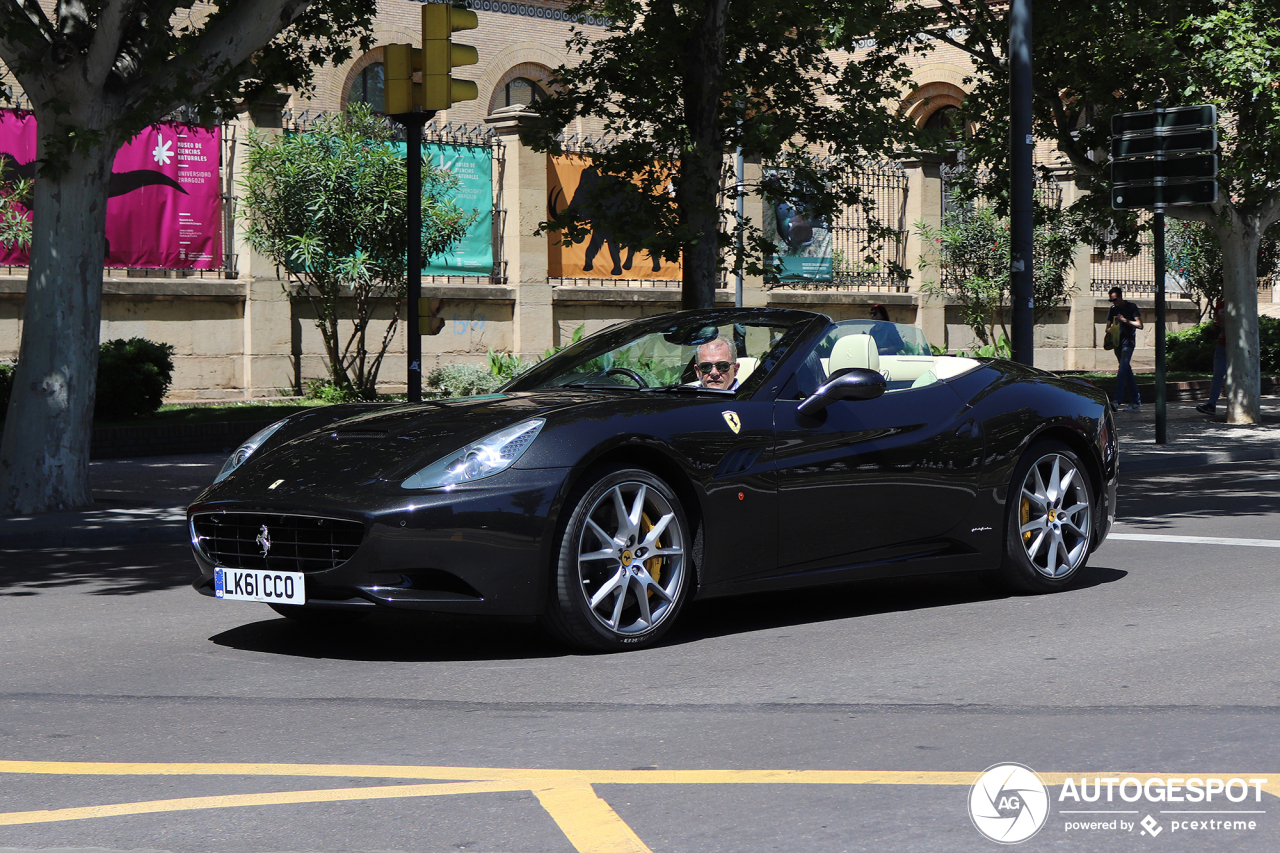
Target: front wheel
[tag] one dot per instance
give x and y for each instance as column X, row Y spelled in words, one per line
column 1051, row 512
column 623, row 566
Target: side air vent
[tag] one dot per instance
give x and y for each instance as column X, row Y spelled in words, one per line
column 738, row 460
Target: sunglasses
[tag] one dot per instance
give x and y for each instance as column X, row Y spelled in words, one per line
column 719, row 366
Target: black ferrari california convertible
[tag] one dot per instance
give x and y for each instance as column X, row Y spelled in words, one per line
column 609, row 484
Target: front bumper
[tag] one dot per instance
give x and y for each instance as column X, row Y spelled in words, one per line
column 484, row 548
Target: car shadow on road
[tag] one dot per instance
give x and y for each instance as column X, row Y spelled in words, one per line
column 764, row 611
column 389, row 636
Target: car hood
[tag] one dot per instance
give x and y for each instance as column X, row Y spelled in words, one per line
column 389, row 444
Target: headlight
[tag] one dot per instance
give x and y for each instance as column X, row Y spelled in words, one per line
column 245, row 450
column 484, row 458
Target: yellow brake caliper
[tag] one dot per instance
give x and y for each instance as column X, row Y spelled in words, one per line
column 654, row 564
column 1025, row 515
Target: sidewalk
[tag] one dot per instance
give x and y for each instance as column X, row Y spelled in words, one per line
column 144, row 500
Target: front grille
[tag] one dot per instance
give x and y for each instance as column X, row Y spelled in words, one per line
column 286, row 543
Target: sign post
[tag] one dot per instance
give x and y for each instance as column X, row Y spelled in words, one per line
column 1159, row 158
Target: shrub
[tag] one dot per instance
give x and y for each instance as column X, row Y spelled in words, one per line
column 1192, row 349
column 6, row 385
column 325, row 391
column 462, row 380
column 506, row 365
column 1269, row 344
column 133, row 377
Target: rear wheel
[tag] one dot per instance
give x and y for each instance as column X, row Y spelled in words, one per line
column 1051, row 512
column 623, row 564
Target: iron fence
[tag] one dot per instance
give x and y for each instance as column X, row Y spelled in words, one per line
column 868, row 238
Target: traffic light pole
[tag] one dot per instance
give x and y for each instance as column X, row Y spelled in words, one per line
column 1021, row 144
column 413, row 123
column 1158, row 227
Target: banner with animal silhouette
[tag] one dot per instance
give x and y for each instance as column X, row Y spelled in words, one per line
column 165, row 196
column 802, row 242
column 472, row 165
column 572, row 182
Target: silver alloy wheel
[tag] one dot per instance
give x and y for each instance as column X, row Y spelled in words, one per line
column 1055, row 518
column 631, row 558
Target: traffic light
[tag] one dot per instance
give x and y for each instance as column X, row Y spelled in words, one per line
column 429, row 320
column 401, row 93
column 436, row 60
column 440, row 56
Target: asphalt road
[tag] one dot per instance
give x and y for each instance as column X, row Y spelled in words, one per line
column 150, row 718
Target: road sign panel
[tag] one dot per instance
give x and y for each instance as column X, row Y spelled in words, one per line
column 1177, row 143
column 1137, row 197
column 1175, row 168
column 1174, row 118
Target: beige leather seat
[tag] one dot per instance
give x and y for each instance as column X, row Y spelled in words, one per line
column 854, row 351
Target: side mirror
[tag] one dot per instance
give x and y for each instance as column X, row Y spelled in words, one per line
column 855, row 383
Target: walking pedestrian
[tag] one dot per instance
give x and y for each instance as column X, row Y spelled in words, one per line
column 1126, row 316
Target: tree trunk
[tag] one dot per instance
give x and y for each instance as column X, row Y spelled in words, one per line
column 44, row 455
column 701, row 165
column 1239, row 238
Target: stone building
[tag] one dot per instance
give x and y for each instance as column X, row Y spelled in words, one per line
column 238, row 335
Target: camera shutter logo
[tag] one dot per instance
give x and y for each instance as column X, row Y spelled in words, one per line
column 1009, row 803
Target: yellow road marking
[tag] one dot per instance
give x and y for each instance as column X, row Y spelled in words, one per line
column 328, row 795
column 589, row 823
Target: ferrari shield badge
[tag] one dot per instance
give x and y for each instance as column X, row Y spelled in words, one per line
column 731, row 418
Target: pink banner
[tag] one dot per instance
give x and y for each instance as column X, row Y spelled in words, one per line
column 165, row 205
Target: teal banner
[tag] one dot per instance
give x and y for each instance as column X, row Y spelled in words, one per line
column 473, row 167
column 802, row 244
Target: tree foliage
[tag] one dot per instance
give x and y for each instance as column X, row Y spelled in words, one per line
column 96, row 73
column 15, row 195
column 328, row 207
column 1101, row 57
column 1195, row 256
column 680, row 84
column 970, row 254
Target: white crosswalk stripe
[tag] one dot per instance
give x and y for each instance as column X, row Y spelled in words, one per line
column 1194, row 540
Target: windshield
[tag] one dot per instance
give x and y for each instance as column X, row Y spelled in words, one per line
column 890, row 338
column 740, row 346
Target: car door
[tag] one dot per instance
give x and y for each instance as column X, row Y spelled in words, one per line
column 871, row 480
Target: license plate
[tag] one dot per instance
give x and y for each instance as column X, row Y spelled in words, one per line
column 249, row 585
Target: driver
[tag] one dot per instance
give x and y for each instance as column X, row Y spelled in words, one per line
column 717, row 365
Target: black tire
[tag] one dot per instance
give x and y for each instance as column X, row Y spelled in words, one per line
column 319, row 617
column 1050, row 519
column 601, row 564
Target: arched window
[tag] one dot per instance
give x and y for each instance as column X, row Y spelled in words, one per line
column 944, row 119
column 523, row 92
column 366, row 88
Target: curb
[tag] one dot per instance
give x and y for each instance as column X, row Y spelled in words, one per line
column 1198, row 460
